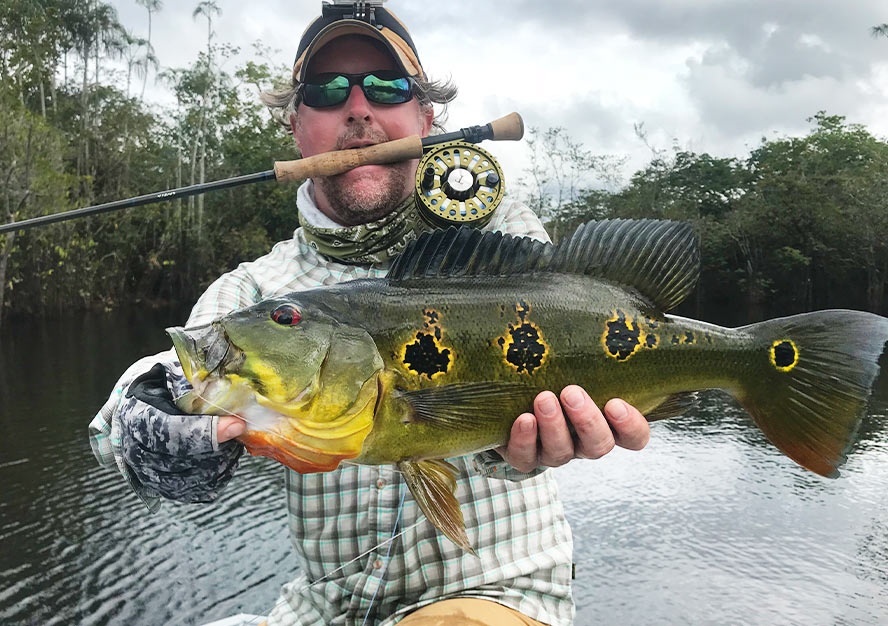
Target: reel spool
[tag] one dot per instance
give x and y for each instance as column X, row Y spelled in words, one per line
column 458, row 183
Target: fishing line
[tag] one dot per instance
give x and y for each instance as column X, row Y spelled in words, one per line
column 233, row 414
column 291, row 441
column 386, row 560
column 299, row 591
column 389, row 541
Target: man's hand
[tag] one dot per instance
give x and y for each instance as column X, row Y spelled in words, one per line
column 229, row 427
column 597, row 434
column 170, row 453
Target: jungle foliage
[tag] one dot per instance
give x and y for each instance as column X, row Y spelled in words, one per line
column 800, row 223
column 74, row 133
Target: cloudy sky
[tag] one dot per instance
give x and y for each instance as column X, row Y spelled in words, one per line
column 713, row 75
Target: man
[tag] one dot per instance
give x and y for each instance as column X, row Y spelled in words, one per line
column 348, row 91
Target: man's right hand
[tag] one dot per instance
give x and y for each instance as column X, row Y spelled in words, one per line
column 230, row 427
column 188, row 458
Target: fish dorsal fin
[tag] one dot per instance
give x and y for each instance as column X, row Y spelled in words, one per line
column 468, row 251
column 433, row 483
column 659, row 259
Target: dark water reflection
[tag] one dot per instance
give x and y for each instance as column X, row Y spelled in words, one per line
column 76, row 547
column 709, row 525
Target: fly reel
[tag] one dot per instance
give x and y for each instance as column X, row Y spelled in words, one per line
column 458, row 183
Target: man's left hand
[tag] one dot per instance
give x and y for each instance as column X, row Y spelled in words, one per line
column 596, row 434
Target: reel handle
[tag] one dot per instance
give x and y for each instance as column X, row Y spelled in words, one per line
column 339, row 161
column 507, row 128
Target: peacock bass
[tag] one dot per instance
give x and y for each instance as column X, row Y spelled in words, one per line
column 439, row 358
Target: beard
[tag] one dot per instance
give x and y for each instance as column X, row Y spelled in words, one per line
column 354, row 203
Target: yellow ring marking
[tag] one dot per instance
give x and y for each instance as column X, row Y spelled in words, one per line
column 772, row 354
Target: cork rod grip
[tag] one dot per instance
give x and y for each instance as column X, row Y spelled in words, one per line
column 339, row 161
column 508, row 128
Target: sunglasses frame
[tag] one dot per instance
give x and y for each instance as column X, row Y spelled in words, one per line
column 358, row 80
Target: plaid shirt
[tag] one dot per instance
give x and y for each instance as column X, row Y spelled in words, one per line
column 340, row 521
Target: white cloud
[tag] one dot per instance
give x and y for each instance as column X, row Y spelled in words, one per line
column 716, row 76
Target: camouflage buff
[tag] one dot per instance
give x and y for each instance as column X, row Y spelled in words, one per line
column 170, row 454
column 373, row 242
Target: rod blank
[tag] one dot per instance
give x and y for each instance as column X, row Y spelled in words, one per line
column 509, row 127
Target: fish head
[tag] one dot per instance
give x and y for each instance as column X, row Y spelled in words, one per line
column 305, row 383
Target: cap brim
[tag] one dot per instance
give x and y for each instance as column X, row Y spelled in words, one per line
column 397, row 47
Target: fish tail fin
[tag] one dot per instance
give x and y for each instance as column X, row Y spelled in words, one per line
column 812, row 381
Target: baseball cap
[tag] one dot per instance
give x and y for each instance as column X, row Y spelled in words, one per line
column 357, row 18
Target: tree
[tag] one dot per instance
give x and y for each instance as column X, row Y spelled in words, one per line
column 564, row 173
column 139, row 56
column 151, row 6
column 30, row 171
column 207, row 8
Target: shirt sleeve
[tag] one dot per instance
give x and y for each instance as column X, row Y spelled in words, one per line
column 516, row 218
column 231, row 291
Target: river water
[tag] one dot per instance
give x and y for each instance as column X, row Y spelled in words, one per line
column 708, row 525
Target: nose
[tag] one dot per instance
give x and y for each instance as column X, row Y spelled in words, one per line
column 357, row 106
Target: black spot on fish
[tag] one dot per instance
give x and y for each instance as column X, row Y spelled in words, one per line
column 432, row 316
column 784, row 354
column 425, row 357
column 689, row 337
column 708, row 338
column 438, row 333
column 526, row 349
column 501, row 341
column 522, row 309
column 621, row 339
column 650, row 341
column 675, row 340
column 652, row 323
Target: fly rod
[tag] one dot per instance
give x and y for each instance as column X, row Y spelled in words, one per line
column 507, row 128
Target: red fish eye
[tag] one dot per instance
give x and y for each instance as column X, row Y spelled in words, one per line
column 286, row 315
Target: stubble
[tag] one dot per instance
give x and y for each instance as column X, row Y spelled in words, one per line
column 354, row 203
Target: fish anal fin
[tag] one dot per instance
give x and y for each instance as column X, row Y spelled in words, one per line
column 433, row 483
column 673, row 406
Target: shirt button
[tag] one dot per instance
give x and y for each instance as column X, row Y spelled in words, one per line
column 377, row 563
column 380, row 483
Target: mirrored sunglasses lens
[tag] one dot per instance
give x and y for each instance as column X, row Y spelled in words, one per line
column 334, row 91
column 387, row 91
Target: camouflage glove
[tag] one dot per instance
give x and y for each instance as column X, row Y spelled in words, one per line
column 170, row 453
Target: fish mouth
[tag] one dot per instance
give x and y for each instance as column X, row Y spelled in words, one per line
column 201, row 350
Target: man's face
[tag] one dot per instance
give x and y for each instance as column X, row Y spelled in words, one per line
column 369, row 192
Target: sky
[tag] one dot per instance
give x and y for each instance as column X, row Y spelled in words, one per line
column 712, row 76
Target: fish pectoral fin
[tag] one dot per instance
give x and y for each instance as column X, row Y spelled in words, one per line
column 461, row 405
column 433, row 484
column 673, row 406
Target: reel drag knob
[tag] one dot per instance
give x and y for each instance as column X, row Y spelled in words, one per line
column 460, row 184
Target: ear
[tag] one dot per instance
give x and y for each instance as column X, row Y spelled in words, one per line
column 294, row 129
column 426, row 117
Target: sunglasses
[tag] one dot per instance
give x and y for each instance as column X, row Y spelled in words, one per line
column 379, row 86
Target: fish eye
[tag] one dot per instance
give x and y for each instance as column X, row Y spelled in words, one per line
column 286, row 315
